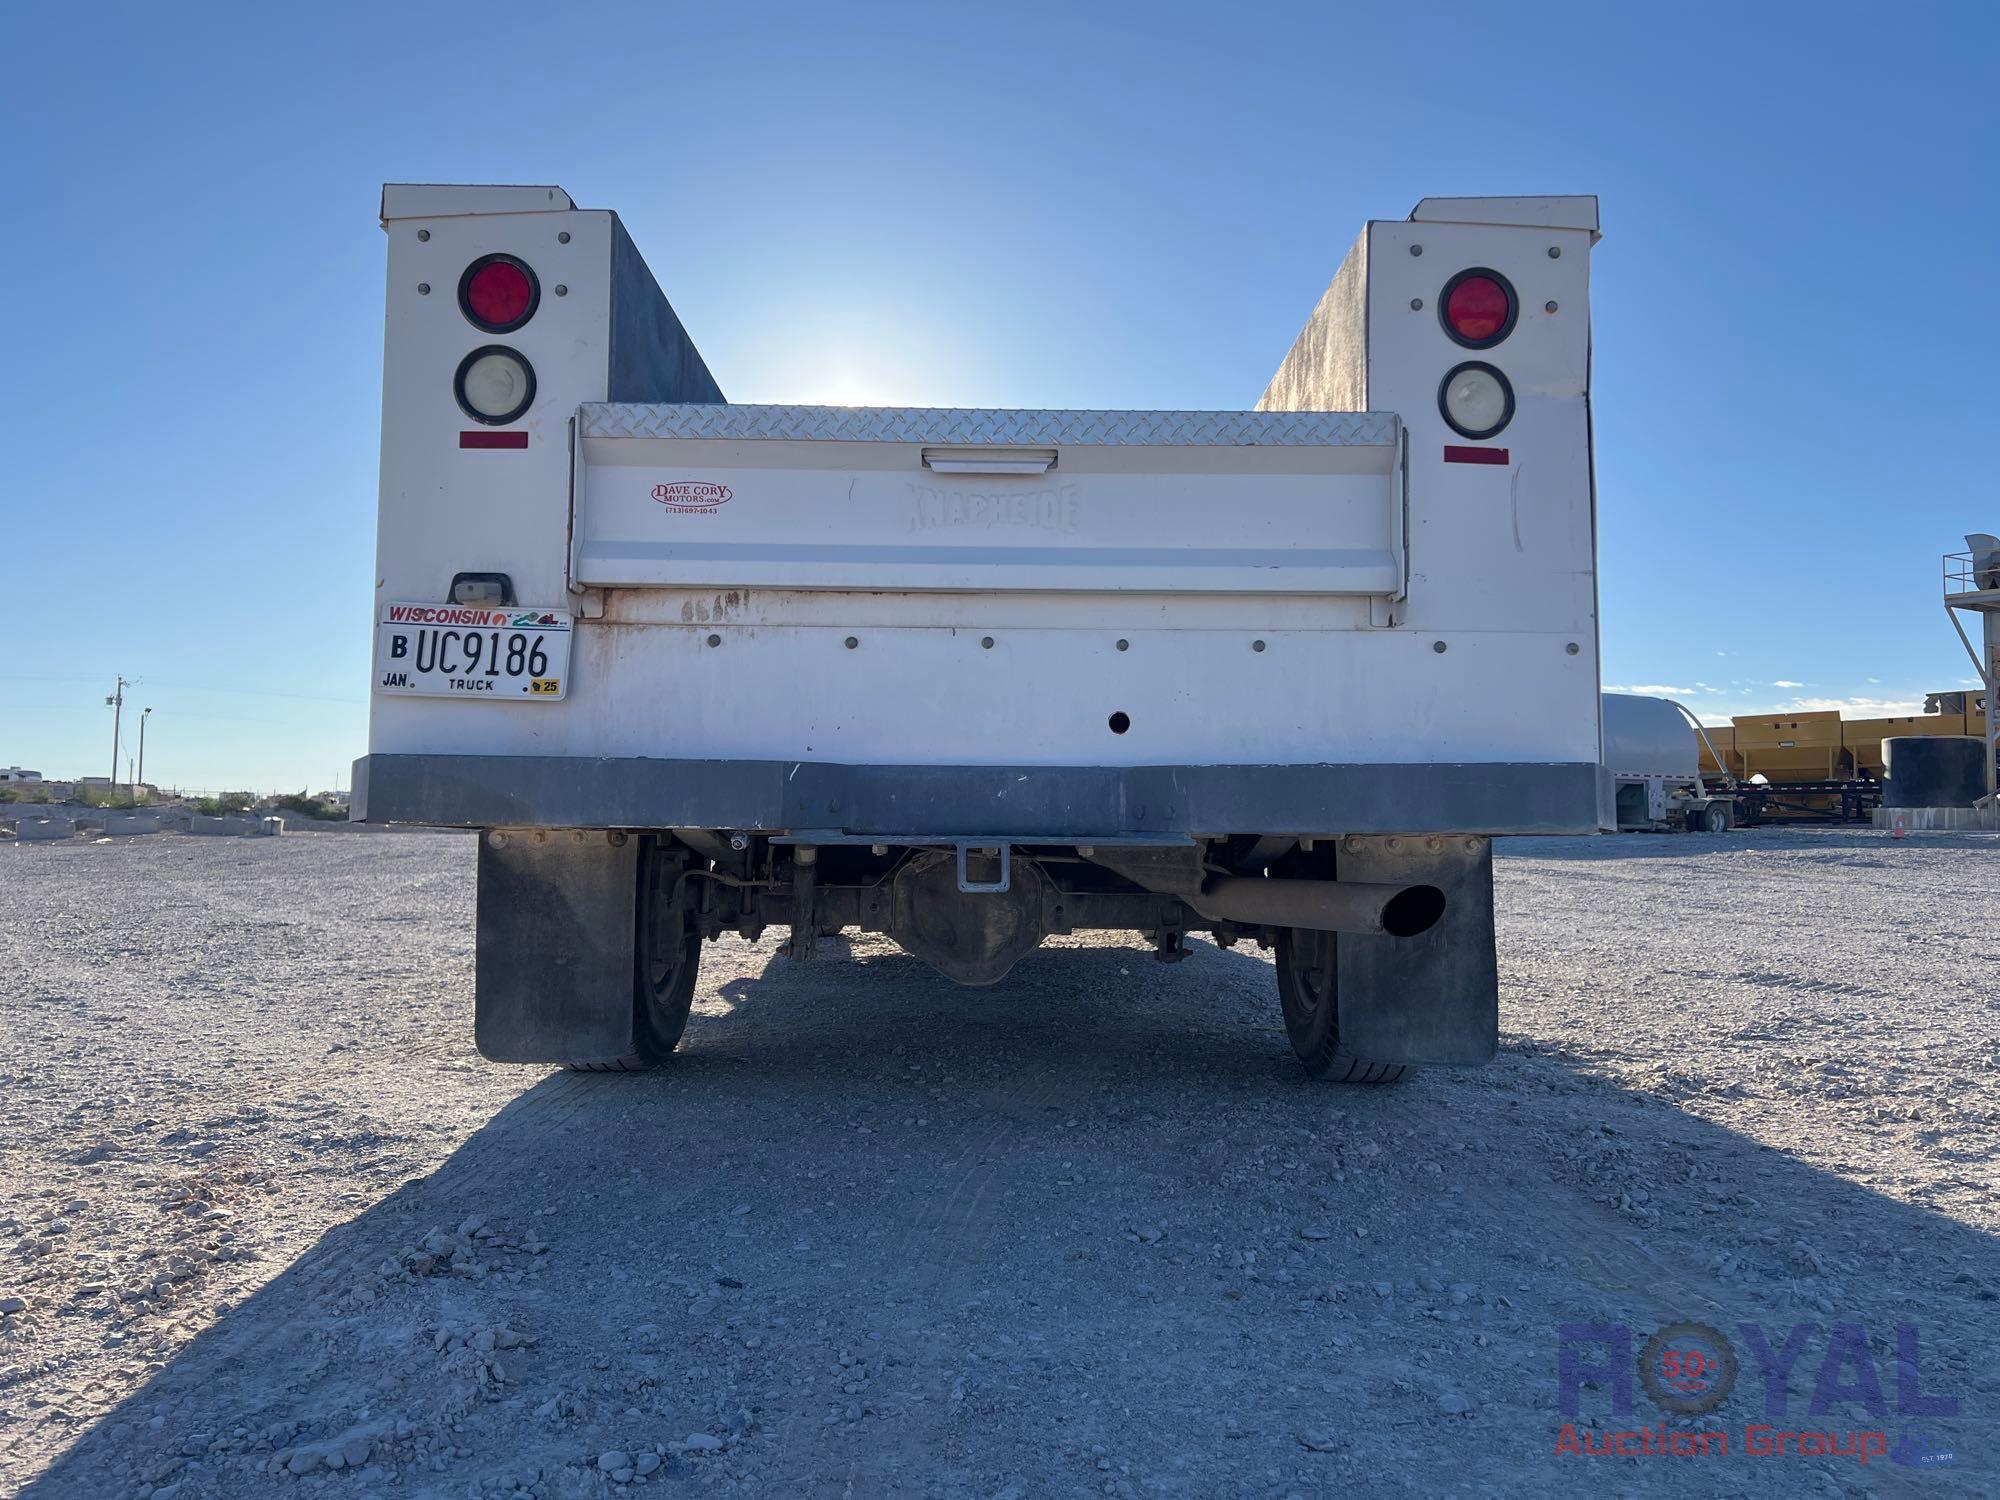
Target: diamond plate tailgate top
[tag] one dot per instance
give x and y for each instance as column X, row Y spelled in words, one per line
column 966, row 424
column 918, row 499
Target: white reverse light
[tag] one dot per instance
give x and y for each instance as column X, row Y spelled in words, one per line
column 1476, row 400
column 495, row 385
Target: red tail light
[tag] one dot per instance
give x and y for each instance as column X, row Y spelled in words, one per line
column 1477, row 308
column 498, row 293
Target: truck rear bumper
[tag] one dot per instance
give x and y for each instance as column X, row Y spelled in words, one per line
column 1029, row 803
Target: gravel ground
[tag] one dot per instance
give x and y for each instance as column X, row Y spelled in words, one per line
column 269, row 1227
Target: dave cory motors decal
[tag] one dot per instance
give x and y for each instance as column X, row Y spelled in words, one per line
column 695, row 495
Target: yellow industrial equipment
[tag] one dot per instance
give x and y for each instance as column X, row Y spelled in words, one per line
column 1821, row 746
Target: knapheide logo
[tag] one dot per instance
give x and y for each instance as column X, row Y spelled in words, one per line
column 691, row 494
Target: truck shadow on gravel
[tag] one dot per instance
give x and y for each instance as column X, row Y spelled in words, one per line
column 1086, row 1232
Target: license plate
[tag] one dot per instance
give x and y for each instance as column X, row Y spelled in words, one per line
column 462, row 651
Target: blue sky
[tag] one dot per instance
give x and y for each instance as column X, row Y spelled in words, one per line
column 1093, row 206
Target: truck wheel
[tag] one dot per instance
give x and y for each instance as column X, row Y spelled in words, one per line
column 1715, row 818
column 1312, row 1019
column 668, row 959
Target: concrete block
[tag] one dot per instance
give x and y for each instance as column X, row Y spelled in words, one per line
column 128, row 824
column 42, row 830
column 272, row 826
column 1939, row 819
column 226, row 827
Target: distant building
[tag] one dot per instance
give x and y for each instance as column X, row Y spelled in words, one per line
column 18, row 773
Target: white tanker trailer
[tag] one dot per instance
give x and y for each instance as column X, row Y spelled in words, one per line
column 1652, row 769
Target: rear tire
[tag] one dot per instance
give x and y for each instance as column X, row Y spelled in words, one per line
column 1715, row 818
column 1306, row 993
column 666, row 963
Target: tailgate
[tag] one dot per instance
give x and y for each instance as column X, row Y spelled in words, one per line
column 912, row 499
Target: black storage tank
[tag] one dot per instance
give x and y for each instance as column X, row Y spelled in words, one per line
column 1933, row 770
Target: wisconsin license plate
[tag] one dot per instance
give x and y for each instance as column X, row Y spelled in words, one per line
column 462, row 651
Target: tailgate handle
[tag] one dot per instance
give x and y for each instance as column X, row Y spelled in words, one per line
column 989, row 460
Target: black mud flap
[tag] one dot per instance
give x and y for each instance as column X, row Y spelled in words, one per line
column 557, row 933
column 1434, row 998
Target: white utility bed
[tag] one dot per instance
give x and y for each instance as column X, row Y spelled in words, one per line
column 916, row 499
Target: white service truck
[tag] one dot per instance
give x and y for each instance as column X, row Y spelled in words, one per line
column 973, row 677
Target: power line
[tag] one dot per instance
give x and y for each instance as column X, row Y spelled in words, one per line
column 81, row 708
column 196, row 687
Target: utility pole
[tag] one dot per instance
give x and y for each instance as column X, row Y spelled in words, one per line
column 140, row 779
column 116, row 703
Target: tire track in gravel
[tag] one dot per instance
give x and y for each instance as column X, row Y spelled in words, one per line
column 938, row 1289
column 924, row 1281
column 943, row 1250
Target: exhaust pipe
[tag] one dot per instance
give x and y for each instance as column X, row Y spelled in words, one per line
column 1322, row 905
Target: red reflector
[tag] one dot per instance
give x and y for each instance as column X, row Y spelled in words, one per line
column 499, row 294
column 493, row 440
column 1451, row 455
column 1477, row 308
